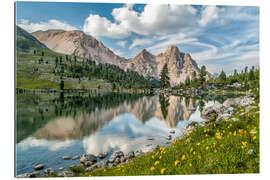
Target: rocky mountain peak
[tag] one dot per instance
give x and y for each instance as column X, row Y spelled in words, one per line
column 180, row 65
column 172, row 49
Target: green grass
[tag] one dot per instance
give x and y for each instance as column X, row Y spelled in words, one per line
column 223, row 147
column 29, row 79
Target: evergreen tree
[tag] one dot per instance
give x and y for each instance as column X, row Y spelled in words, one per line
column 62, row 83
column 202, row 75
column 222, row 77
column 42, row 53
column 164, row 78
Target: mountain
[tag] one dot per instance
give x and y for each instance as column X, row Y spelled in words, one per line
column 180, row 65
column 78, row 43
column 25, row 41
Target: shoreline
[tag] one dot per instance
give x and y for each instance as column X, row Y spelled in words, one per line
column 78, row 169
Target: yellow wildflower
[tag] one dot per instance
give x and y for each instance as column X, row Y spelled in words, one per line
column 163, row 170
column 152, row 168
column 244, row 144
column 153, row 157
column 190, row 164
column 206, row 135
column 218, row 135
column 253, row 131
column 176, row 162
column 191, row 149
column 230, row 133
column 183, row 157
column 234, row 133
column 214, row 143
column 215, row 151
column 254, row 138
column 198, row 144
column 160, row 157
column 194, row 152
column 206, row 148
column 156, row 163
column 199, row 157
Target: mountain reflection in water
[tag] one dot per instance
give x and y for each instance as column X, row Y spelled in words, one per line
column 71, row 124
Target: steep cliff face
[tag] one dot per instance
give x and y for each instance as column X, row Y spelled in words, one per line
column 180, row 65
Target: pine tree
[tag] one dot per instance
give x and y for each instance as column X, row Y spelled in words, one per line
column 222, row 76
column 164, row 78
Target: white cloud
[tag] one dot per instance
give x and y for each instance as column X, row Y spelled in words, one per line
column 154, row 19
column 51, row 24
column 100, row 26
column 122, row 43
column 140, row 42
column 209, row 13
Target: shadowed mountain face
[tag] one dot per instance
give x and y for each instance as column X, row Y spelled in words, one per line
column 180, row 65
column 74, row 121
column 25, row 41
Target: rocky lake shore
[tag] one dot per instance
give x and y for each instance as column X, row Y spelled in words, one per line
column 90, row 162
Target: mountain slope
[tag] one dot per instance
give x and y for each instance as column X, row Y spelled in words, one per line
column 78, row 43
column 25, row 41
column 180, row 65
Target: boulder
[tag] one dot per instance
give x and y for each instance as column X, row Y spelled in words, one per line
column 66, row 158
column 169, row 137
column 102, row 155
column 61, row 168
column 131, row 155
column 75, row 157
column 172, row 131
column 39, row 167
column 49, row 171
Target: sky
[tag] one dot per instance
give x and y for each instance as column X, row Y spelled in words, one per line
column 220, row 37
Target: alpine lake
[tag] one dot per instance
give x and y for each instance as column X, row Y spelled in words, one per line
column 50, row 126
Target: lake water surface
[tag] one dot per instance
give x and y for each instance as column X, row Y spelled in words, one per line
column 53, row 125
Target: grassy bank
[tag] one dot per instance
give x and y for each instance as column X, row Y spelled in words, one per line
column 213, row 148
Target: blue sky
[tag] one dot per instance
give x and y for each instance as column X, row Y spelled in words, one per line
column 220, row 37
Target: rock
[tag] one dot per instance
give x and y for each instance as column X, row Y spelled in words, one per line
column 148, row 144
column 235, row 119
column 66, row 158
column 39, row 167
column 214, row 112
column 117, row 160
column 88, row 163
column 35, row 174
column 131, row 155
column 150, row 139
column 169, row 137
column 65, row 174
column 112, row 159
column 110, row 165
column 75, row 157
column 122, row 159
column 241, row 101
column 25, row 175
column 49, row 171
column 118, row 154
column 88, row 159
column 172, row 131
column 61, row 168
column 102, row 155
column 138, row 153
